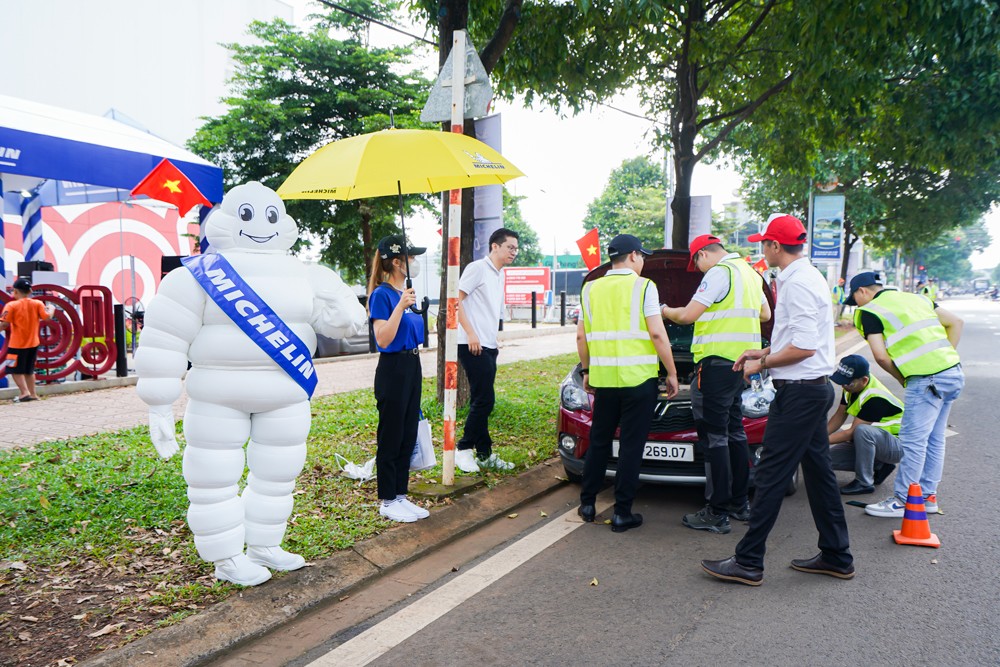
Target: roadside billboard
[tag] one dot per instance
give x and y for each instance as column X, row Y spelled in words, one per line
column 827, row 227
column 520, row 281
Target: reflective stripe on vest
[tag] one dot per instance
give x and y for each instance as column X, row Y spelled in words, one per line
column 731, row 326
column 914, row 337
column 621, row 352
column 876, row 388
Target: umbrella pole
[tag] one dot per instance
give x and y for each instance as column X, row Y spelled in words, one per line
column 406, row 245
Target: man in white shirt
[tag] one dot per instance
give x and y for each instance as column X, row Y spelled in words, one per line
column 800, row 360
column 480, row 309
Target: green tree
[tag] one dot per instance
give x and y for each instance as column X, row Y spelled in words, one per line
column 632, row 202
column 530, row 250
column 948, row 258
column 294, row 91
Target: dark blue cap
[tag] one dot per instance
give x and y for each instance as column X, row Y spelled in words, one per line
column 850, row 368
column 865, row 279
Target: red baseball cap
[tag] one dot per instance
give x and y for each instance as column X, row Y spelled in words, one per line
column 785, row 229
column 698, row 244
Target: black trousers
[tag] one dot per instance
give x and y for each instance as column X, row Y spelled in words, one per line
column 632, row 408
column 796, row 432
column 481, row 369
column 397, row 395
column 715, row 402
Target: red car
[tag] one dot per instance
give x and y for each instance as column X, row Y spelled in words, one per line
column 672, row 454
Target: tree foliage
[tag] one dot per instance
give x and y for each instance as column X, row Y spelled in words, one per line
column 632, row 202
column 294, row 91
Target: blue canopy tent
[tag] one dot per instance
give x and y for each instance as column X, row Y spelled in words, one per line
column 40, row 142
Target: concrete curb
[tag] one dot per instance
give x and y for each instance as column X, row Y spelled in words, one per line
column 253, row 612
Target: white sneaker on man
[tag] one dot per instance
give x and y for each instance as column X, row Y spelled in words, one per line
column 465, row 460
column 397, row 511
column 241, row 570
column 495, row 462
column 415, row 509
column 275, row 558
column 890, row 508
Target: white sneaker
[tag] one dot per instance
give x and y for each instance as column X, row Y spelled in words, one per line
column 397, row 511
column 890, row 508
column 496, row 463
column 275, row 558
column 465, row 460
column 415, row 509
column 241, row 570
column 930, row 504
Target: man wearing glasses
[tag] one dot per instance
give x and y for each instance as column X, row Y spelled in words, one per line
column 480, row 309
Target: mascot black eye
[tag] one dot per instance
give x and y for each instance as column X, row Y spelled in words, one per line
column 246, row 212
column 272, row 214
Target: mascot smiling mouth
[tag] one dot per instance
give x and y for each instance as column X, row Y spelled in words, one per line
column 259, row 239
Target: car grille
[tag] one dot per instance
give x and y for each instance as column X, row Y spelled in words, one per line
column 672, row 416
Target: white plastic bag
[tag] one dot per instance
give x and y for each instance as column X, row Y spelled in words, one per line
column 352, row 470
column 758, row 396
column 423, row 453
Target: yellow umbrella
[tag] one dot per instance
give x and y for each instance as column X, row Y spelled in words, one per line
column 397, row 162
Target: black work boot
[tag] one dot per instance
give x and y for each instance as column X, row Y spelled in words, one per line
column 707, row 519
column 739, row 512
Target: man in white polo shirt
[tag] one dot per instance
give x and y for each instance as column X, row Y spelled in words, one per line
column 480, row 309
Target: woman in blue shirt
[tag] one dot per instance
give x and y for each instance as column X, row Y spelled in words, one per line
column 399, row 333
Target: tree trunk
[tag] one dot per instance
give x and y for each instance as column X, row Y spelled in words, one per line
column 684, row 127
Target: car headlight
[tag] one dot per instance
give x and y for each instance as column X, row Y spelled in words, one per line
column 573, row 396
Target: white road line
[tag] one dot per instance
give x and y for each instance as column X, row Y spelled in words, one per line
column 855, row 348
column 381, row 638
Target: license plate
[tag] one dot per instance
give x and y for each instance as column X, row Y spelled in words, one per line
column 662, row 451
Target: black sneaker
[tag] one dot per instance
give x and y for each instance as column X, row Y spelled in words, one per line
column 739, row 512
column 707, row 519
column 882, row 471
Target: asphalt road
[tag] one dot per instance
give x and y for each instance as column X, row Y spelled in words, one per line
column 652, row 605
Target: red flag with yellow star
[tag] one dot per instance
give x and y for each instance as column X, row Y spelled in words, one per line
column 167, row 183
column 590, row 248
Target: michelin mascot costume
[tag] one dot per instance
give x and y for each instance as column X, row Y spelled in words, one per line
column 246, row 316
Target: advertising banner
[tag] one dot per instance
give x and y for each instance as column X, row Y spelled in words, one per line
column 827, row 227
column 488, row 209
column 520, row 281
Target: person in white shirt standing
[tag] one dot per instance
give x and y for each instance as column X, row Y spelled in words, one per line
column 480, row 309
column 800, row 359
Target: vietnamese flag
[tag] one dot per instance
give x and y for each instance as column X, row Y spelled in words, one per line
column 760, row 266
column 168, row 184
column 590, row 248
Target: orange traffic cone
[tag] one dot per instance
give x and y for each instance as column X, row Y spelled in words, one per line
column 916, row 529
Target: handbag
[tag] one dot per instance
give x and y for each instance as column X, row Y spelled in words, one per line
column 423, row 456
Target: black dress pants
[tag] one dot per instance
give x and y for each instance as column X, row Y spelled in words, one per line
column 632, row 408
column 397, row 396
column 481, row 369
column 716, row 394
column 796, row 432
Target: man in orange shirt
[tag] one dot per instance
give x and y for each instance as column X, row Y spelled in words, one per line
column 21, row 317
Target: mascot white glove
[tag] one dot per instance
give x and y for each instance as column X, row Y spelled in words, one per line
column 161, row 430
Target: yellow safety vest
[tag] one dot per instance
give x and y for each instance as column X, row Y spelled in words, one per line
column 914, row 337
column 876, row 388
column 730, row 327
column 621, row 352
column 837, row 295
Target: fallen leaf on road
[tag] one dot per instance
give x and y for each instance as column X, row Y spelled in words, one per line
column 66, row 662
column 107, row 630
column 933, row 561
column 593, row 582
column 607, row 522
column 512, row 516
column 543, row 514
column 15, row 565
column 80, row 617
column 562, row 479
column 29, row 619
column 84, row 599
column 343, row 598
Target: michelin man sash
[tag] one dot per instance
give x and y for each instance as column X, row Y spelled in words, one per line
column 254, row 317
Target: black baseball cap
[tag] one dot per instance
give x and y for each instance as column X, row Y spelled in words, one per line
column 623, row 244
column 392, row 246
column 851, row 368
column 22, row 285
column 864, row 279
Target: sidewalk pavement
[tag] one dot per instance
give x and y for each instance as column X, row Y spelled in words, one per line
column 75, row 409
column 239, row 619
